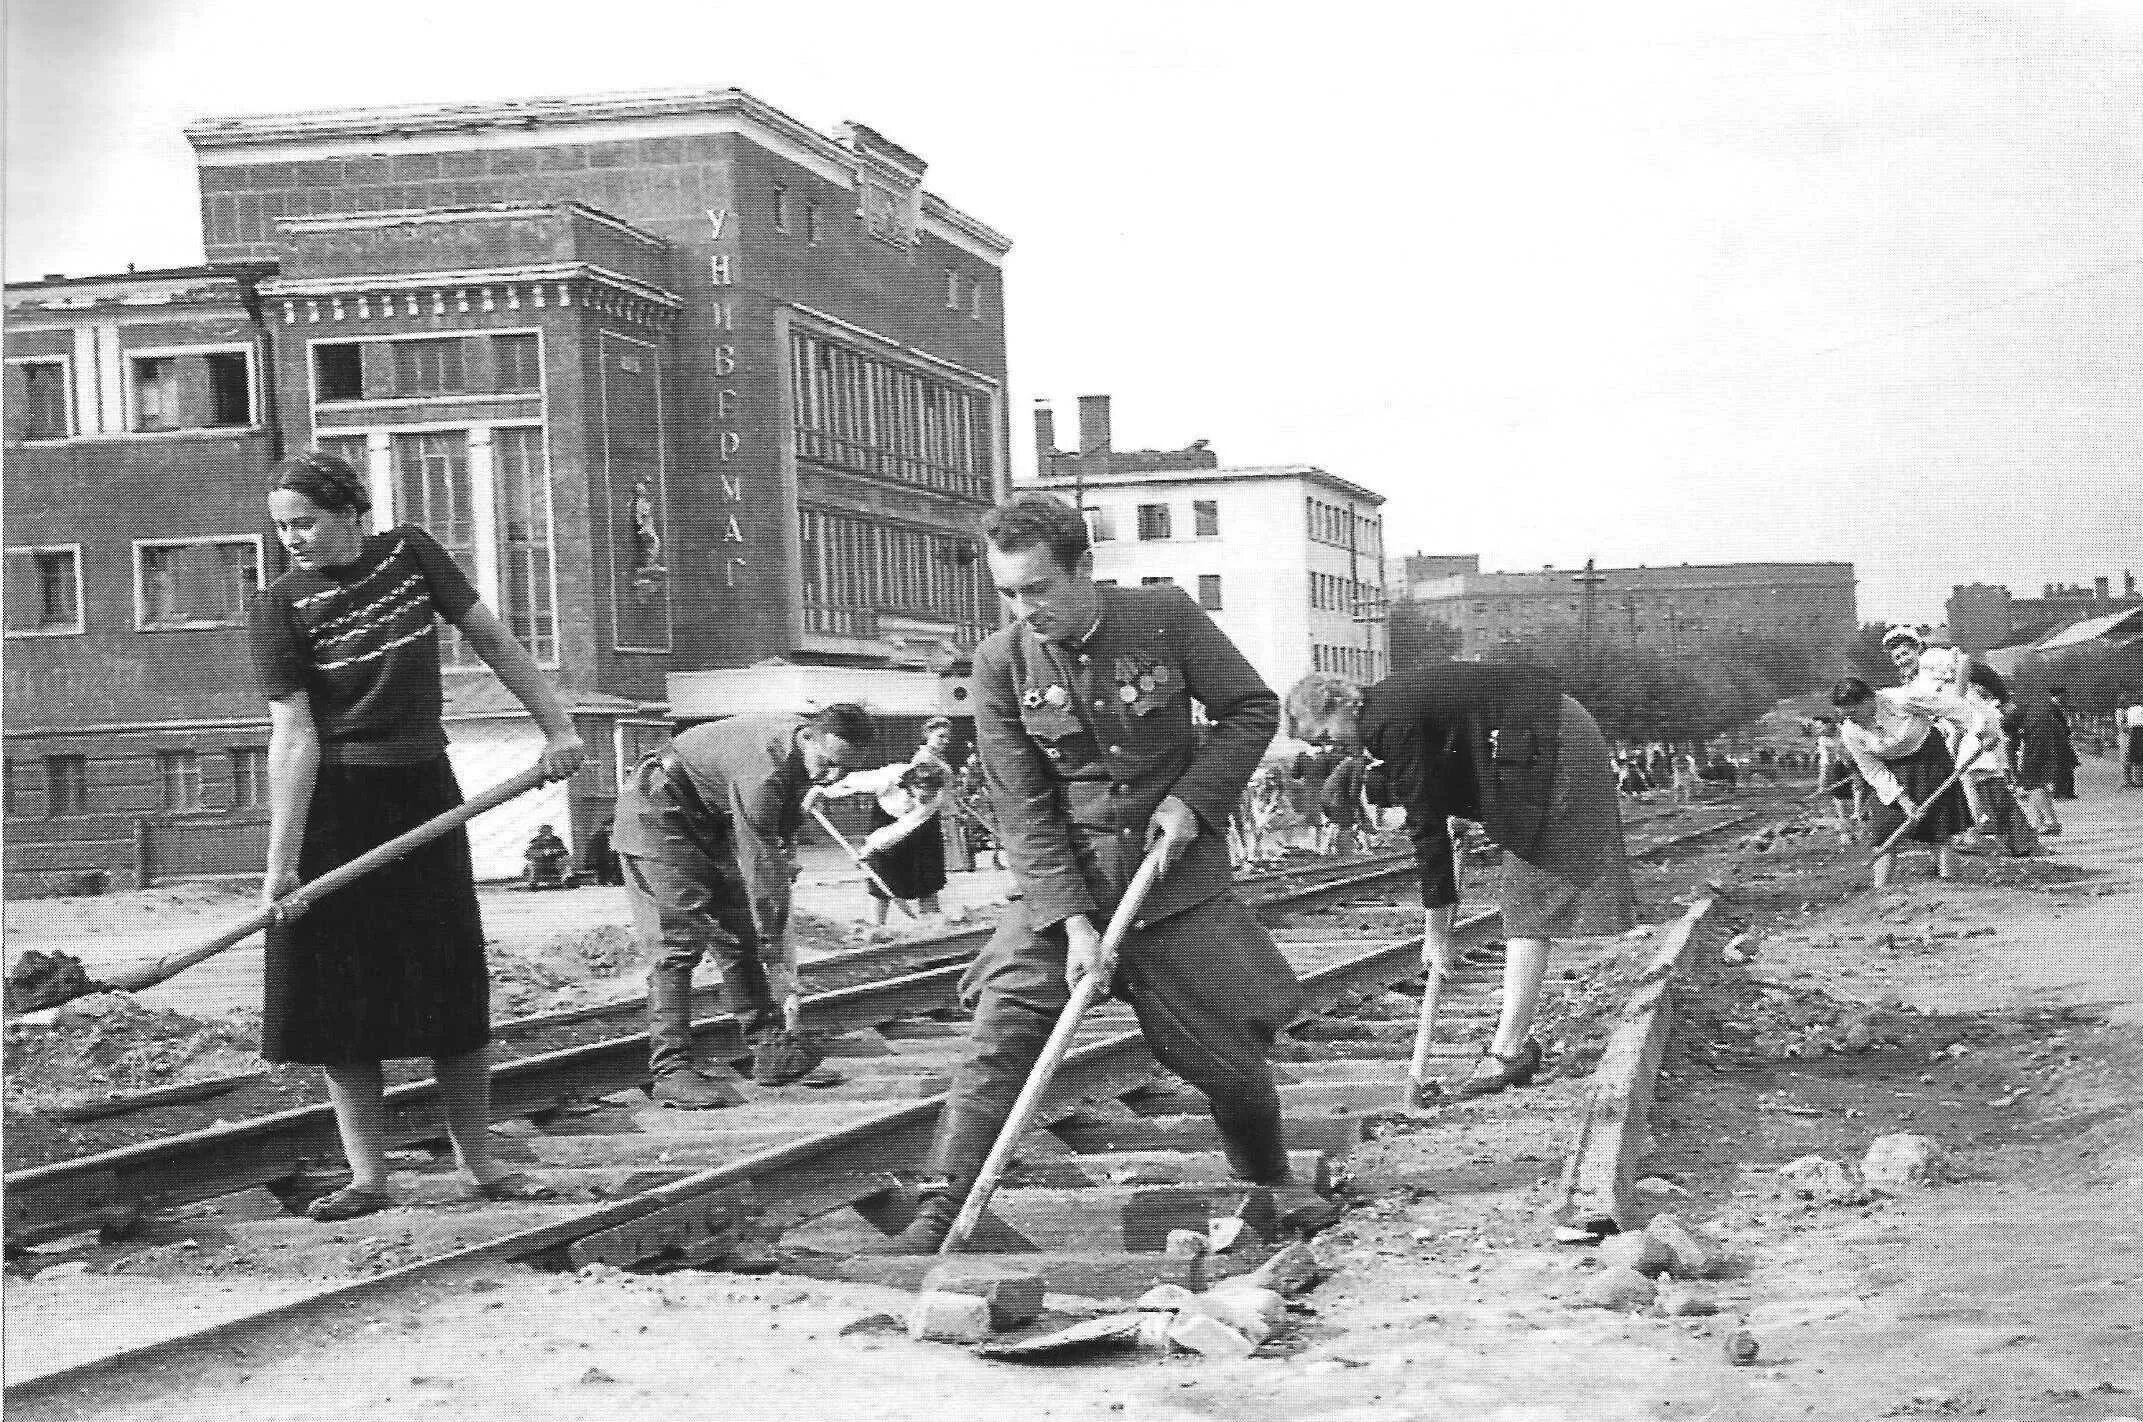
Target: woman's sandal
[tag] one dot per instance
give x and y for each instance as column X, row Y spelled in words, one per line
column 512, row 1187
column 1494, row 1071
column 348, row 1203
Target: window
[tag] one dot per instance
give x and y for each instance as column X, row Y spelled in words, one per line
column 339, row 371
column 198, row 583
column 853, row 568
column 811, row 224
column 515, row 362
column 178, row 774
column 230, row 389
column 428, row 368
column 432, row 491
column 37, row 400
column 974, row 301
column 156, row 393
column 66, row 785
column 867, row 414
column 781, row 208
column 952, row 290
column 1152, row 522
column 1209, row 591
column 524, row 523
column 44, row 591
column 249, row 777
column 1206, row 515
column 1100, row 527
column 350, row 449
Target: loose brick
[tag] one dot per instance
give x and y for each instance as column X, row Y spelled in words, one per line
column 949, row 1318
column 1014, row 1296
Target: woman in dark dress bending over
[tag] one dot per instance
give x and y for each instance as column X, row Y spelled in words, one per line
column 347, row 650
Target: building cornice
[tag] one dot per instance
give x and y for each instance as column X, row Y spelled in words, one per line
column 385, row 296
column 1130, row 478
column 487, row 212
column 222, row 141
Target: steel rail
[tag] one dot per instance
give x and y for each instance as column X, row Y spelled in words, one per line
column 776, row 1187
column 49, row 1201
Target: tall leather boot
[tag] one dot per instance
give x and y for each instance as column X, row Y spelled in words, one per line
column 678, row 1081
column 1255, row 1140
column 1002, row 1050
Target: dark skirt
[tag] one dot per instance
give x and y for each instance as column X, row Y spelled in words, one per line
column 1922, row 774
column 392, row 965
column 2005, row 821
column 913, row 868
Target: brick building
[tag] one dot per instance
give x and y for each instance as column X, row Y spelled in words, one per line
column 696, row 394
column 1288, row 559
column 1705, row 607
column 1983, row 616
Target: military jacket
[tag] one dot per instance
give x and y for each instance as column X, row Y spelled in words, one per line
column 1081, row 741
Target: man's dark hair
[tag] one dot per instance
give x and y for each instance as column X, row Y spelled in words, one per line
column 1850, row 691
column 847, row 720
column 1038, row 520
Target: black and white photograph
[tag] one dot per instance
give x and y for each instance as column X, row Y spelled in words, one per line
column 1180, row 711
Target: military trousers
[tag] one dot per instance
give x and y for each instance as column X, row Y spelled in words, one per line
column 1208, row 985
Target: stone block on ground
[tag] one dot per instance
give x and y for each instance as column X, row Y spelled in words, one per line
column 1013, row 1295
column 1208, row 1336
column 949, row 1318
column 1895, row 1161
column 1691, row 1257
column 1255, row 1313
column 1294, row 1270
column 1170, row 1298
column 1639, row 1252
column 1619, row 1288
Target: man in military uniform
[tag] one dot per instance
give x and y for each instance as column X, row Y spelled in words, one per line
column 703, row 833
column 1083, row 720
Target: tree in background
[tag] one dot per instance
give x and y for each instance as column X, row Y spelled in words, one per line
column 1417, row 638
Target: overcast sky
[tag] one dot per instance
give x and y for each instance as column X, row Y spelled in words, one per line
column 1646, row 283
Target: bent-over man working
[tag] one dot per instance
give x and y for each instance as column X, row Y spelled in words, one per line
column 703, row 836
column 1502, row 746
column 1083, row 720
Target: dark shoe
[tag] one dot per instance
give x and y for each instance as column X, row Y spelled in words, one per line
column 1495, row 1071
column 934, row 1216
column 348, row 1203
column 1302, row 1211
column 689, row 1090
column 514, row 1186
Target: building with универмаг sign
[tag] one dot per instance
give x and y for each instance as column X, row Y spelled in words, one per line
column 1287, row 559
column 706, row 402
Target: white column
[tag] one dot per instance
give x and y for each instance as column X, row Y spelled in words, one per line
column 111, row 380
column 483, row 514
column 379, row 473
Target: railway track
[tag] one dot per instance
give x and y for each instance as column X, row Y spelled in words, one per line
column 1127, row 1156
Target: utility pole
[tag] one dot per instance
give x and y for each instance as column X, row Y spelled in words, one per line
column 1589, row 581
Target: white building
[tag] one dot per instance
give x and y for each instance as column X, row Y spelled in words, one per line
column 1288, row 559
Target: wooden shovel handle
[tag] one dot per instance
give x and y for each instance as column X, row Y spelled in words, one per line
column 1045, row 1068
column 298, row 900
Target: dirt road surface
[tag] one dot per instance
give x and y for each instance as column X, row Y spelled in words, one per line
column 1996, row 1016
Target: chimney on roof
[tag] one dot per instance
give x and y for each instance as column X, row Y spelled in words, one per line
column 2102, row 588
column 2128, row 583
column 1045, row 434
column 1093, row 424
